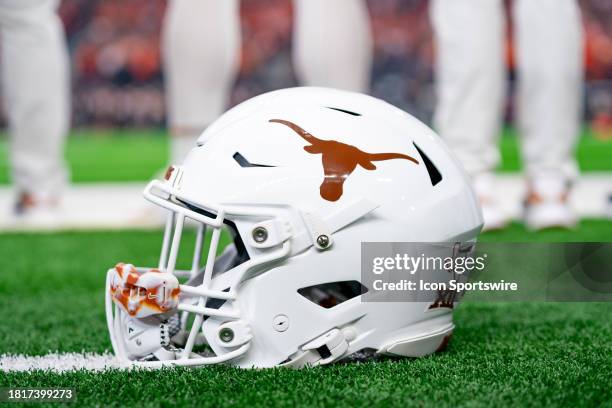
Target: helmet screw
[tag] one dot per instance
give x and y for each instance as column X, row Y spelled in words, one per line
column 226, row 334
column 280, row 323
column 323, row 241
column 260, row 234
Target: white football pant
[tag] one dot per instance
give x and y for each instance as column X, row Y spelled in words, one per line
column 35, row 84
column 471, row 81
column 201, row 44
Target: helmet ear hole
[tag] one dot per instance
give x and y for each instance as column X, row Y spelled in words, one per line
column 329, row 295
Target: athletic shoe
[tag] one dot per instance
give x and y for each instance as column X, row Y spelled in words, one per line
column 33, row 212
column 494, row 216
column 547, row 204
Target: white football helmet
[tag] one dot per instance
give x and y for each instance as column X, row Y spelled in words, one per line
column 300, row 178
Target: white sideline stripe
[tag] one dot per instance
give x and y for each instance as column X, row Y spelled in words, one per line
column 59, row 362
column 121, row 205
column 92, row 206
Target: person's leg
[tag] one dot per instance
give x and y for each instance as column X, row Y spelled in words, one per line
column 201, row 44
column 470, row 75
column 35, row 82
column 332, row 44
column 550, row 71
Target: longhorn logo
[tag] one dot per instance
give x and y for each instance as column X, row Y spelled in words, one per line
column 339, row 160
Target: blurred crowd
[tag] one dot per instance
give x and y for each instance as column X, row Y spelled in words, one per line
column 117, row 76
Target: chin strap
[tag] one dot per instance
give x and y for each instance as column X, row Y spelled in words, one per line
column 320, row 229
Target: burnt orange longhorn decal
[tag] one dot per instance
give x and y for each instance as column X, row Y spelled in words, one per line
column 339, row 160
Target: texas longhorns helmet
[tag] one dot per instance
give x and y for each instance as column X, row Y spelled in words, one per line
column 293, row 181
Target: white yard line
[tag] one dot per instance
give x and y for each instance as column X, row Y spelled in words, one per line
column 59, row 362
column 120, row 205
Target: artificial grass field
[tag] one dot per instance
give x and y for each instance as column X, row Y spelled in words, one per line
column 136, row 155
column 512, row 354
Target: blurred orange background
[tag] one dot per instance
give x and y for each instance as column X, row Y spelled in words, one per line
column 118, row 81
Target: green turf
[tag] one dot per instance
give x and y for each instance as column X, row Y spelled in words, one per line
column 502, row 355
column 136, row 155
column 513, row 354
column 588, row 230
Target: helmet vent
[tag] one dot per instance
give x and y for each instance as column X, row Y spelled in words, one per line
column 434, row 174
column 348, row 112
column 332, row 294
column 243, row 162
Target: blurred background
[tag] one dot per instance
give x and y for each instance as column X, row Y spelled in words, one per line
column 118, row 114
column 118, row 78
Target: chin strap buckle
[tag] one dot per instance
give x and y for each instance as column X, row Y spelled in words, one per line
column 144, row 339
column 324, row 349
